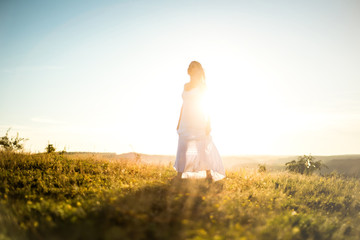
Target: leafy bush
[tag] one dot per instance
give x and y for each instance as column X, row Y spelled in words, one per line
column 305, row 165
column 262, row 168
column 50, row 148
column 12, row 143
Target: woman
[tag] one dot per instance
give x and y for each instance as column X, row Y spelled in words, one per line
column 197, row 156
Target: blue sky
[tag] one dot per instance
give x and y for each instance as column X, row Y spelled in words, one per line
column 108, row 75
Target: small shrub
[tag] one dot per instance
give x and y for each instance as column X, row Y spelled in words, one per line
column 305, row 165
column 262, row 168
column 50, row 148
column 63, row 151
column 12, row 143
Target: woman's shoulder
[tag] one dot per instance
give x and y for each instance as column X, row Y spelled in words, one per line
column 188, row 87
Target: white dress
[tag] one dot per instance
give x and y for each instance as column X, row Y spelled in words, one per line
column 196, row 151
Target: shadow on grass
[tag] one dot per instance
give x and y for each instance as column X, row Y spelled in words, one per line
column 158, row 211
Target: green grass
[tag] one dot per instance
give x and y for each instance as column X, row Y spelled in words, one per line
column 57, row 197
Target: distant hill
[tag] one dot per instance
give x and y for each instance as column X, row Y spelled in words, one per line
column 345, row 165
column 348, row 165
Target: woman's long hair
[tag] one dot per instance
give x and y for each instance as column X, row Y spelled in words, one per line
column 195, row 67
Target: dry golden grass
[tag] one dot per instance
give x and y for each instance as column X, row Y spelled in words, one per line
column 64, row 197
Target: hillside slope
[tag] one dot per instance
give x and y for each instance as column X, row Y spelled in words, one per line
column 56, row 197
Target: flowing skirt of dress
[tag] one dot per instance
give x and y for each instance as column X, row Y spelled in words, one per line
column 197, row 153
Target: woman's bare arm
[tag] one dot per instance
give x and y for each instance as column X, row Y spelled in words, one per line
column 179, row 118
column 208, row 126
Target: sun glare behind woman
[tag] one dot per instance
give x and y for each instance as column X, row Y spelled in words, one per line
column 205, row 103
column 197, row 156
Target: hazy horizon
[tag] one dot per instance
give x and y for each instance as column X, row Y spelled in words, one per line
column 222, row 155
column 107, row 76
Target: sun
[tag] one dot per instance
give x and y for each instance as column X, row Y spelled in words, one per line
column 246, row 116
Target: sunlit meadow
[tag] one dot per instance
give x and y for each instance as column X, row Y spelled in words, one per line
column 54, row 196
column 107, row 76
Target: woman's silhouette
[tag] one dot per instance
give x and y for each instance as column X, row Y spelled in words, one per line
column 197, row 156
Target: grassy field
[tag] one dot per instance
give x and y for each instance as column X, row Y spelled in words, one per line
column 61, row 197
